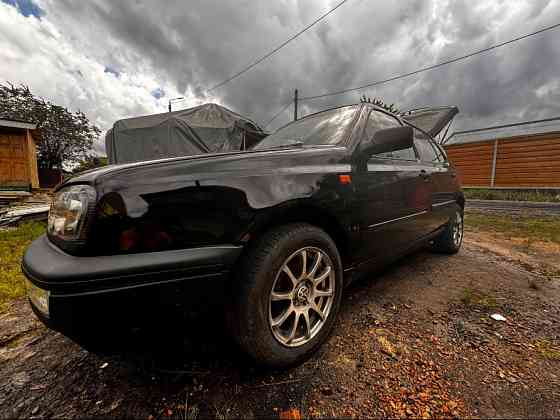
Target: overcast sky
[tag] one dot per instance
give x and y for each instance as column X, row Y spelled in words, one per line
column 116, row 59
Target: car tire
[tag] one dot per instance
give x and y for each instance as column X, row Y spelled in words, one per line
column 265, row 292
column 450, row 240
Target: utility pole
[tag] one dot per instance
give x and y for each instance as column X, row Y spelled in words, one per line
column 295, row 104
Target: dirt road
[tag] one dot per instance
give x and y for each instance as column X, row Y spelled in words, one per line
column 415, row 340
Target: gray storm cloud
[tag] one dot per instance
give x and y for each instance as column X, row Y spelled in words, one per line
column 194, row 45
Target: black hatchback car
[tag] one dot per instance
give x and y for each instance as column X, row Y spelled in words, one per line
column 280, row 230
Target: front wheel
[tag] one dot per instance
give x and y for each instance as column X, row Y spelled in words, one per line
column 288, row 293
column 451, row 239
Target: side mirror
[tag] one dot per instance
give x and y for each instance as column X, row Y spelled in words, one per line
column 388, row 140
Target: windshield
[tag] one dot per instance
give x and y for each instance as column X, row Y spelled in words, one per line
column 329, row 127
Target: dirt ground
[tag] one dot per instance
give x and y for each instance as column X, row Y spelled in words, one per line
column 416, row 340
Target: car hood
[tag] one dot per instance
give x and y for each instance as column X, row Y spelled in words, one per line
column 213, row 164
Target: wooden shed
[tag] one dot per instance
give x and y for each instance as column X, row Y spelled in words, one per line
column 523, row 155
column 18, row 155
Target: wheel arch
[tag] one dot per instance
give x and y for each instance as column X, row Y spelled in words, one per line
column 305, row 213
column 461, row 201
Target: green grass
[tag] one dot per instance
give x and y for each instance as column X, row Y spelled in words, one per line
column 547, row 349
column 533, row 228
column 488, row 194
column 12, row 244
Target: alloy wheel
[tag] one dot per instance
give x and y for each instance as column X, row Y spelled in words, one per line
column 302, row 296
column 458, row 230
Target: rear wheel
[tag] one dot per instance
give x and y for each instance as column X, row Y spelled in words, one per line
column 288, row 294
column 451, row 239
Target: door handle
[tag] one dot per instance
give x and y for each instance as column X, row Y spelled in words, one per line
column 425, row 175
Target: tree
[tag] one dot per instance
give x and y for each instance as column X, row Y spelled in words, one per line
column 90, row 163
column 66, row 137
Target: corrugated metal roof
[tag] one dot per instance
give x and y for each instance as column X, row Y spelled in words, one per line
column 527, row 128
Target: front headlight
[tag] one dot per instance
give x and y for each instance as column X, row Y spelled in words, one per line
column 68, row 212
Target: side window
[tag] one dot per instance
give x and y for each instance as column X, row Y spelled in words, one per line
column 379, row 121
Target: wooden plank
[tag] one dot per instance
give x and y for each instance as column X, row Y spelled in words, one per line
column 471, row 156
column 475, row 171
column 472, row 168
column 477, row 179
column 526, row 158
column 512, row 149
column 485, row 143
column 468, row 150
column 476, row 176
column 530, row 146
column 544, row 175
column 509, row 180
column 471, row 153
column 537, row 184
column 479, row 162
column 535, row 152
column 527, row 167
column 528, row 142
column 476, row 158
column 532, row 138
column 529, row 174
column 5, row 170
column 543, row 181
column 530, row 153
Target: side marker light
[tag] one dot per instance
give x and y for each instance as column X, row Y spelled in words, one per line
column 345, row 179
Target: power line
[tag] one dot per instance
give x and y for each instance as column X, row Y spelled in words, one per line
column 264, row 57
column 278, row 114
column 423, row 69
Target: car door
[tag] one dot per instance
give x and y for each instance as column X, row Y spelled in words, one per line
column 433, row 172
column 445, row 186
column 389, row 204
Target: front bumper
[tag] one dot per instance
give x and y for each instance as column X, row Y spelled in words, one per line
column 90, row 295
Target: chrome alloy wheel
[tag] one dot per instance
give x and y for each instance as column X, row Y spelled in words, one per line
column 301, row 297
column 458, row 230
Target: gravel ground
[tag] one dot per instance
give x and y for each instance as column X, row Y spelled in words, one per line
column 415, row 340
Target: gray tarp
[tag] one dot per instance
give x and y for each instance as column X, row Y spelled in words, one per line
column 207, row 128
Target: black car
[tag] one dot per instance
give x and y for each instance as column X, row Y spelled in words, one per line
column 280, row 230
